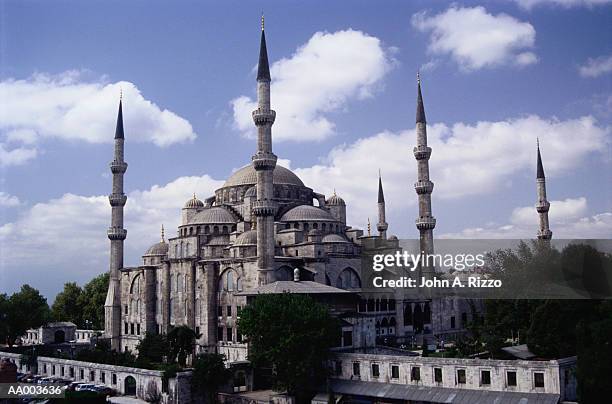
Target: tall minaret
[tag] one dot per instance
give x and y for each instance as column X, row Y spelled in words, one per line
column 382, row 225
column 543, row 205
column 425, row 222
column 116, row 234
column 264, row 161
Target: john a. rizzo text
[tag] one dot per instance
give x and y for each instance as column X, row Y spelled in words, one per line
column 425, row 282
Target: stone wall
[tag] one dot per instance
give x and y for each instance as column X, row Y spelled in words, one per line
column 177, row 390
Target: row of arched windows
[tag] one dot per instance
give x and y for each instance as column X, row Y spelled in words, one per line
column 207, row 229
column 376, row 305
column 182, row 250
column 324, row 227
column 230, row 282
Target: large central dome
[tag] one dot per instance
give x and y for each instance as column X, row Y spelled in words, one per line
column 247, row 176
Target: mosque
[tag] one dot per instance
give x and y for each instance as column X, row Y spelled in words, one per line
column 265, row 230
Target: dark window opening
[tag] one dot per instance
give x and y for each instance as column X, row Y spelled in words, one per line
column 415, row 374
column 356, row 369
column 538, row 379
column 485, row 377
column 375, row 370
column 394, row 372
column 438, row 375
column 511, row 378
column 460, row 376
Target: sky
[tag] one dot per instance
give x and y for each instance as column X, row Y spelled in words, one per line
column 496, row 75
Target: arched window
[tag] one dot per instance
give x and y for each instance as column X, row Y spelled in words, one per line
column 135, row 287
column 206, row 229
column 179, row 281
column 348, row 279
column 173, row 282
column 176, row 251
column 229, row 281
column 187, row 250
column 239, row 284
column 323, row 227
column 182, row 250
column 224, row 229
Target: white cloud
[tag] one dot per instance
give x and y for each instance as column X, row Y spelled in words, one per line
column 476, row 39
column 467, row 160
column 568, row 220
column 52, row 234
column 66, row 107
column 529, row 4
column 16, row 156
column 322, row 76
column 8, row 201
column 595, row 67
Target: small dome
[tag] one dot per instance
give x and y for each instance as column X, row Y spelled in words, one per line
column 334, row 238
column 215, row 215
column 247, row 238
column 393, row 237
column 251, row 192
column 307, row 213
column 314, row 232
column 247, row 175
column 194, row 203
column 160, row 248
column 335, row 200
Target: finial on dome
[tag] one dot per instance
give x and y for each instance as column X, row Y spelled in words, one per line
column 163, row 239
column 335, row 192
column 194, row 196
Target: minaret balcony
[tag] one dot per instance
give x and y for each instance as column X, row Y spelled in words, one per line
column 116, row 233
column 118, row 167
column 264, row 207
column 423, row 187
column 422, row 152
column 542, row 206
column 264, row 161
column 264, row 117
column 544, row 234
column 117, row 199
column 425, row 223
column 382, row 226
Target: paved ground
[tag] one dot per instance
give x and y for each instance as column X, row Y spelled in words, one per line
column 125, row 400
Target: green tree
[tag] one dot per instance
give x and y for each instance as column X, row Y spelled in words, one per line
column 152, row 348
column 92, row 300
column 67, row 305
column 291, row 334
column 181, row 341
column 594, row 366
column 24, row 309
column 209, row 373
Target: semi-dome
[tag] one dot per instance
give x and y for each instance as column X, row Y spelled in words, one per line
column 248, row 176
column 215, row 214
column 160, row 248
column 333, row 238
column 247, row 238
column 307, row 213
column 335, row 200
column 194, row 203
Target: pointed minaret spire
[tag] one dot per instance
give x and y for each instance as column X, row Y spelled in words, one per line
column 420, row 110
column 540, row 170
column 424, row 187
column 163, row 238
column 543, row 205
column 264, row 161
column 116, row 234
column 119, row 128
column 263, row 68
column 382, row 225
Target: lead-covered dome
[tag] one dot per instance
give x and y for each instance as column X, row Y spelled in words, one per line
column 335, row 200
column 247, row 238
column 307, row 213
column 248, row 176
column 215, row 214
column 194, row 203
column 160, row 248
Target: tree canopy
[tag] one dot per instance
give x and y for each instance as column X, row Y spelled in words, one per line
column 291, row 335
column 209, row 373
column 22, row 310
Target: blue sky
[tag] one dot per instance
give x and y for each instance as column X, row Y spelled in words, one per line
column 495, row 76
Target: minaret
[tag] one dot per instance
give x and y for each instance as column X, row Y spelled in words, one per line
column 264, row 161
column 116, row 234
column 382, row 225
column 425, row 222
column 543, row 205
